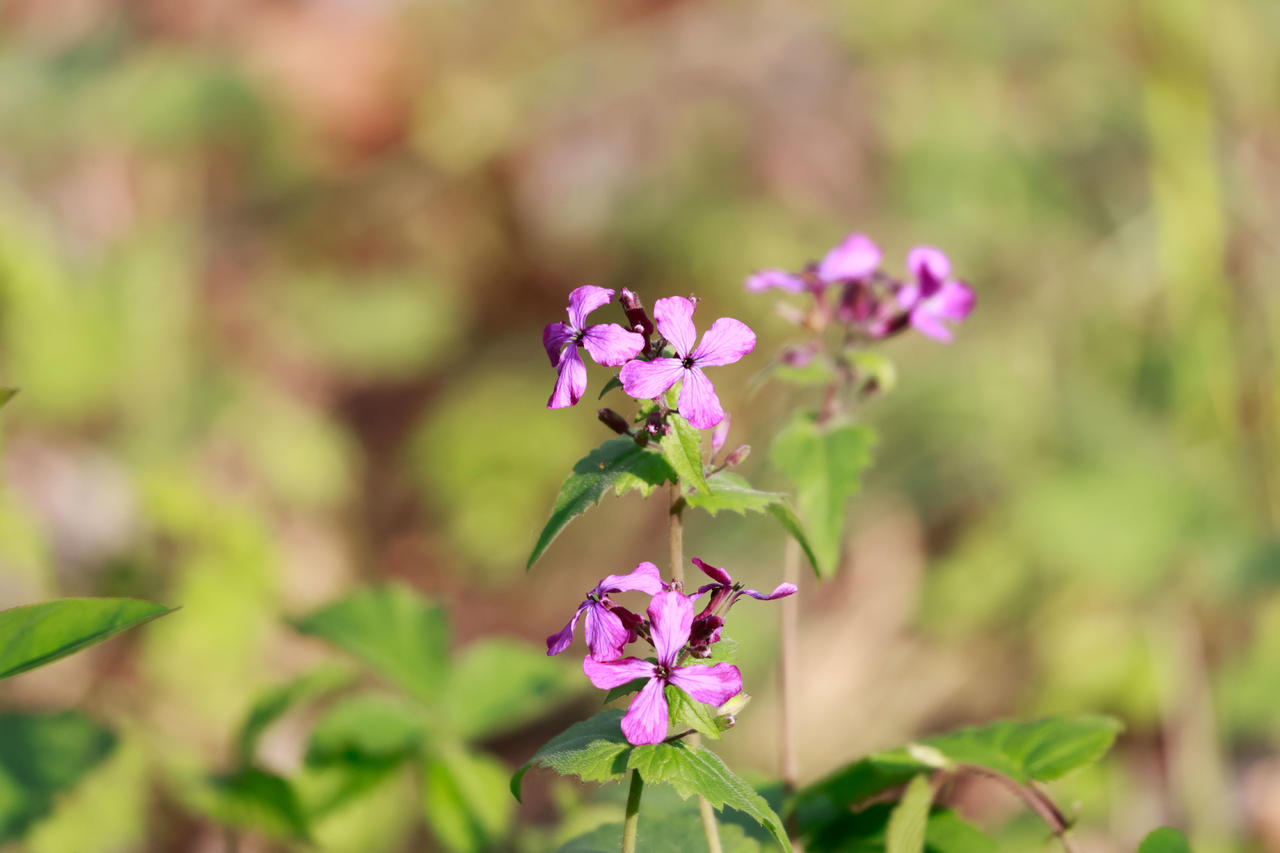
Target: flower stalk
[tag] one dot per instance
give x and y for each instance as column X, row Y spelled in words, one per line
column 631, row 823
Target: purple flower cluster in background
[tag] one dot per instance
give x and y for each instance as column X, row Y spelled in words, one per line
column 869, row 300
column 679, row 638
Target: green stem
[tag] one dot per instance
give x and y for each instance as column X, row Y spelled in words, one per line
column 632, row 822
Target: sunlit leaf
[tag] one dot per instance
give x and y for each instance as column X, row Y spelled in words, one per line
column 686, row 711
column 594, row 750
column 36, row 634
column 734, row 493
column 465, row 801
column 682, row 448
column 909, row 818
column 1166, row 839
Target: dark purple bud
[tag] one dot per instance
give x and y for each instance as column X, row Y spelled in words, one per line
column 613, row 421
column 637, row 317
column 738, row 456
column 655, row 425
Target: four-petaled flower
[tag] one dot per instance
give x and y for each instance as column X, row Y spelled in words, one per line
column 608, row 344
column 724, row 343
column 609, row 627
column 670, row 619
column 934, row 296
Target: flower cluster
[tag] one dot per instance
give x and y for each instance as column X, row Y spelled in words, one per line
column 650, row 368
column 869, row 301
column 680, row 639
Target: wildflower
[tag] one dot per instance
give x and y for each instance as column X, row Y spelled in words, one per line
column 719, row 436
column 934, row 296
column 670, row 619
column 855, row 258
column 607, row 343
column 724, row 343
column 770, row 279
column 609, row 627
column 724, row 593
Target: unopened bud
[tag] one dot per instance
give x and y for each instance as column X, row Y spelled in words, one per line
column 613, row 421
column 734, row 706
column 637, row 317
column 737, row 457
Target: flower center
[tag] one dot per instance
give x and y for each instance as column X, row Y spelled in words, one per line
column 661, row 671
column 687, row 362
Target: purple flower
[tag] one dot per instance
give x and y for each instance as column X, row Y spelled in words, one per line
column 857, row 257
column 609, row 627
column 769, row 279
column 934, row 296
column 670, row 619
column 607, row 343
column 723, row 587
column 719, row 436
column 724, row 343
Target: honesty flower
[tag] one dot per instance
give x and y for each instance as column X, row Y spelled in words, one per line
column 609, row 627
column 607, row 343
column 724, row 593
column 670, row 618
column 934, row 296
column 724, row 343
column 770, row 279
column 856, row 257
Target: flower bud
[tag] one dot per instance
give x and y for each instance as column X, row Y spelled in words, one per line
column 637, row 317
column 737, row 457
column 613, row 421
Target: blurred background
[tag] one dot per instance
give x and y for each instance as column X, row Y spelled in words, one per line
column 272, row 279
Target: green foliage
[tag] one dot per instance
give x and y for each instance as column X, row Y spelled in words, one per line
column 594, row 750
column 465, row 800
column 866, row 831
column 1166, row 839
column 277, row 701
column 7, row 394
column 36, row 634
column 734, row 493
column 662, row 832
column 619, row 464
column 910, row 816
column 825, row 466
column 257, row 800
column 42, row 756
column 684, row 710
column 496, row 685
column 682, row 448
column 367, row 729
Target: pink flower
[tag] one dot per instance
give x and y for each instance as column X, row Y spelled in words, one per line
column 934, row 296
column 607, row 343
column 724, row 594
column 725, row 342
column 646, row 720
column 609, row 627
column 857, row 257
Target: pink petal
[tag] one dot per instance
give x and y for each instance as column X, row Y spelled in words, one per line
column 557, row 643
column 772, row 278
column 953, row 301
column 645, row 380
column 646, row 718
column 928, row 265
column 584, row 300
column 720, row 576
column 571, row 380
column 604, row 632
column 673, row 316
column 611, row 344
column 855, row 257
column 719, row 436
column 670, row 617
column 698, row 401
column 644, row 577
column 610, row 674
column 929, row 324
column 714, row 685
column 724, row 343
column 782, row 590
column 554, row 337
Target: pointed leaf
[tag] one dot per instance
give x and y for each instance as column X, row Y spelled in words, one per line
column 36, row 634
column 614, row 382
column 633, row 686
column 682, row 448
column 256, row 800
column 734, row 493
column 274, row 703
column 594, row 750
column 909, row 818
column 1166, row 839
column 684, row 710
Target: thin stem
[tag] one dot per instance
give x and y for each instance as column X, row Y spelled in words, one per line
column 1038, row 801
column 787, row 669
column 632, row 822
column 709, row 825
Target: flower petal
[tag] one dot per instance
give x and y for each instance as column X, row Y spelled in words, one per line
column 714, row 685
column 604, row 632
column 673, row 316
column 644, row 577
column 698, row 401
column 646, row 718
column 583, row 300
column 773, row 278
column 645, row 380
column 610, row 344
column 781, row 591
column 571, row 380
column 929, row 265
column 557, row 643
column 953, row 301
column 719, row 436
column 670, row 617
column 554, row 337
column 720, row 576
column 855, row 257
column 927, row 323
column 724, row 343
column 614, row 673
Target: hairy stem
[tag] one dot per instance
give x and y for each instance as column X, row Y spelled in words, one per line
column 632, row 822
column 709, row 825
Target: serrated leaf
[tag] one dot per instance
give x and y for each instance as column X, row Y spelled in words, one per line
column 394, row 630
column 42, row 756
column 685, row 710
column 496, row 685
column 734, row 493
column 699, row 771
column 682, row 448
column 36, row 634
column 613, row 383
column 825, row 466
column 594, row 750
column 619, row 464
column 907, row 822
column 257, row 800
column 366, row 730
column 7, row 394
column 633, row 686
column 1166, row 839
column 278, row 700
column 464, row 801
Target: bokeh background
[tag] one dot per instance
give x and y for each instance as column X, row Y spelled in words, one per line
column 272, row 279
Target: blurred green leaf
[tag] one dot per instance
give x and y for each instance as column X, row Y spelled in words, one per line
column 278, row 700
column 909, row 818
column 7, row 394
column 594, row 750
column 325, row 789
column 684, row 710
column 682, row 448
column 662, row 832
column 255, row 800
column 393, row 629
column 865, row 831
column 874, row 366
column 496, row 685
column 36, row 634
column 1166, row 839
column 465, row 801
column 41, row 757
column 366, row 730
column 734, row 493
column 620, row 464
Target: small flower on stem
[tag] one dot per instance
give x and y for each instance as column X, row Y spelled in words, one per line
column 724, row 593
column 609, row 627
column 607, row 343
column 854, row 259
column 934, row 296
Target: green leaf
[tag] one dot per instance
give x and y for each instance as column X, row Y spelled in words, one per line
column 873, row 366
column 368, row 730
column 866, row 831
column 734, row 493
column 687, row 711
column 699, row 771
column 633, row 686
column 7, row 394
column 620, row 464
column 725, row 651
column 1166, row 839
column 254, row 799
column 465, row 801
column 662, row 832
column 36, row 634
column 393, row 629
column 594, row 750
column 825, row 466
column 496, row 685
column 614, row 382
column 911, row 815
column 41, row 757
column 682, row 448
column 275, row 702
